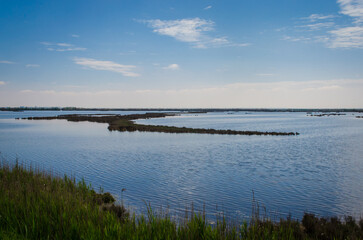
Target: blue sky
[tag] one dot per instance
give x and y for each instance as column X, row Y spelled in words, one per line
column 290, row 53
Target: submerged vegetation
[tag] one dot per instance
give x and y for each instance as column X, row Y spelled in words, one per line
column 36, row 205
column 126, row 123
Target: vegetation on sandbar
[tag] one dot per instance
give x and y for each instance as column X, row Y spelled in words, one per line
column 126, row 123
column 36, row 205
column 326, row 114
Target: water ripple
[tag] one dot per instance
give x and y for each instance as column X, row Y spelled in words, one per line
column 318, row 171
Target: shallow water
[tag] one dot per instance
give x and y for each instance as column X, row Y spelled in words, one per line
column 319, row 171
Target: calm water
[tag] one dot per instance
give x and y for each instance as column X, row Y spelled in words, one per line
column 318, row 171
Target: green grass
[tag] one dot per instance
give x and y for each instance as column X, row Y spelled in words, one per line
column 36, row 205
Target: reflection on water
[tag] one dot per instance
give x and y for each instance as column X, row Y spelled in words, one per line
column 318, row 171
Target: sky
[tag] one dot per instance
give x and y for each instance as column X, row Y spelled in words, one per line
column 182, row 54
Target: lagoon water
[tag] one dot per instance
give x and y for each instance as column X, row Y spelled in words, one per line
column 319, row 171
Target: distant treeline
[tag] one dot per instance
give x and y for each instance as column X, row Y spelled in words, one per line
column 191, row 110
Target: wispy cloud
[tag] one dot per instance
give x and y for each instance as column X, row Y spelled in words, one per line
column 318, row 17
column 75, row 35
column 195, row 31
column 2, row 83
column 348, row 37
column 7, row 62
column 32, row 65
column 318, row 26
column 62, row 47
column 67, row 49
column 207, row 7
column 173, row 66
column 126, row 70
column 316, row 22
column 324, row 28
column 352, row 36
column 296, row 39
column 352, row 8
column 64, row 44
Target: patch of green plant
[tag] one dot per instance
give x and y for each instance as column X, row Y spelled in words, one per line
column 36, row 205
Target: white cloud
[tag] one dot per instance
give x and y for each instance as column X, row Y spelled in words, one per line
column 317, row 17
column 64, row 44
column 62, row 47
column 32, row 65
column 318, row 26
column 56, row 44
column 2, row 83
column 352, row 36
column 352, row 8
column 68, row 49
column 191, row 30
column 75, row 35
column 185, row 30
column 324, row 30
column 316, row 22
column 207, row 7
column 296, row 39
column 343, row 93
column 173, row 66
column 126, row 70
column 7, row 62
column 348, row 37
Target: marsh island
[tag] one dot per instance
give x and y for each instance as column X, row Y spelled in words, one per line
column 125, row 123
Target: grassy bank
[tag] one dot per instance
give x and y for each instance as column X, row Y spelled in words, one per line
column 124, row 123
column 37, row 205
